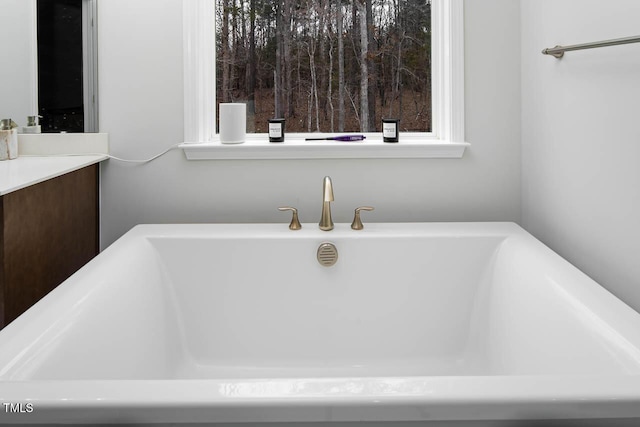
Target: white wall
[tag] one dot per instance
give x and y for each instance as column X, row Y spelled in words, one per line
column 18, row 93
column 141, row 106
column 581, row 138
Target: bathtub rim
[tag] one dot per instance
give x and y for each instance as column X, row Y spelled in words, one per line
column 458, row 398
column 432, row 398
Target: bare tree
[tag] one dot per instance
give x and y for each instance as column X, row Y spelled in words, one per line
column 313, row 90
column 226, row 60
column 371, row 69
column 364, row 69
column 330, row 81
column 277, row 87
column 251, row 69
column 340, row 30
column 397, row 88
column 287, row 18
column 234, row 47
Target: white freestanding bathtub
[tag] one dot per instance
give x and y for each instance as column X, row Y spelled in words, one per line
column 240, row 323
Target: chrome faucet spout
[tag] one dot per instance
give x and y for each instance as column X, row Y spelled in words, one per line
column 326, row 223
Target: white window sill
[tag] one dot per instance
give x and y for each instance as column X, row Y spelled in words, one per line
column 257, row 146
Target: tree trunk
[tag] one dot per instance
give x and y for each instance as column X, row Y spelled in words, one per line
column 398, row 78
column 234, row 48
column 321, row 72
column 311, row 49
column 288, row 59
column 329, row 86
column 277, row 88
column 341, row 111
column 364, row 69
column 371, row 69
column 251, row 69
column 225, row 51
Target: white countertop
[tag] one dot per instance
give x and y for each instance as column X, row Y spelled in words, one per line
column 49, row 155
column 29, row 170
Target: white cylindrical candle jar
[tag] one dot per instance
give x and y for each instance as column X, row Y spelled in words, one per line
column 233, row 123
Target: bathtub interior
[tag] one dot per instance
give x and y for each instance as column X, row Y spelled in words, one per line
column 111, row 320
column 389, row 307
column 200, row 307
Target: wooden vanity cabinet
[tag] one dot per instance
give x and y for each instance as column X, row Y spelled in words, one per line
column 48, row 231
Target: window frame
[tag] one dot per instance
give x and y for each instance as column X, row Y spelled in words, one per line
column 446, row 140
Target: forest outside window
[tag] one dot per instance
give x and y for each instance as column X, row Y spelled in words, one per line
column 327, row 67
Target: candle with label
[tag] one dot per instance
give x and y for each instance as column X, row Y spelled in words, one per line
column 390, row 130
column 276, row 130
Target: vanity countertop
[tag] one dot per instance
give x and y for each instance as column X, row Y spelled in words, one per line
column 49, row 155
column 29, row 170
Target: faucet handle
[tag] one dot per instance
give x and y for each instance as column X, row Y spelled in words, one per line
column 357, row 222
column 295, row 223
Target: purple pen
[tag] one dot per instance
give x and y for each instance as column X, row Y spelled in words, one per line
column 345, row 138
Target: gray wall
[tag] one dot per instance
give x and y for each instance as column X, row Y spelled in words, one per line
column 581, row 139
column 18, row 95
column 141, row 107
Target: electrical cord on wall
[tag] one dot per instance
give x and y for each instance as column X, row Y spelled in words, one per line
column 173, row 147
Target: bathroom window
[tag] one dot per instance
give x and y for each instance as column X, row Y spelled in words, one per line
column 238, row 51
column 326, row 65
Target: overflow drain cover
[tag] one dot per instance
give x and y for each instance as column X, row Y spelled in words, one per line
column 327, row 254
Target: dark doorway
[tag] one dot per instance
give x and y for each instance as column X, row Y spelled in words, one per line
column 60, row 65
